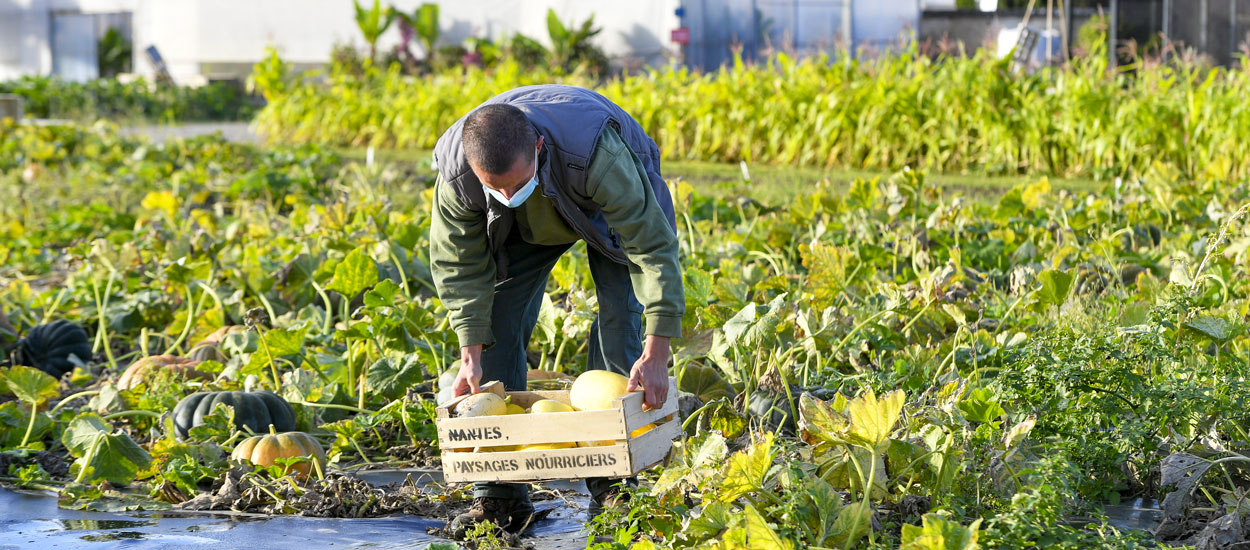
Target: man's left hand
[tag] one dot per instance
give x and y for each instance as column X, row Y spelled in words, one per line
column 650, row 372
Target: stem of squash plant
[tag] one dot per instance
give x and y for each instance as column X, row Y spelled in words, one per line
column 328, row 324
column 268, row 307
column 860, row 325
column 134, row 412
column 361, row 451
column 360, row 397
column 438, row 357
column 186, row 329
column 87, row 458
column 1003, row 322
column 215, row 296
column 101, row 304
column 50, row 311
column 335, row 406
column 273, row 369
column 403, row 277
column 863, row 506
column 71, row 397
column 34, row 411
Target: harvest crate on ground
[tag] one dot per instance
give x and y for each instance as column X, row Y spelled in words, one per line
column 619, row 456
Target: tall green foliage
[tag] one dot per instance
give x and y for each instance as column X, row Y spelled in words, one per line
column 948, row 114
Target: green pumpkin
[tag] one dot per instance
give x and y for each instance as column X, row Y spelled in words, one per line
column 48, row 347
column 774, row 409
column 254, row 409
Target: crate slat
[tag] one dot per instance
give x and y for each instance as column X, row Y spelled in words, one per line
column 575, row 463
column 637, row 418
column 526, row 429
column 650, row 448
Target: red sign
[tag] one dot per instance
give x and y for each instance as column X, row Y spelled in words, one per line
column 681, row 35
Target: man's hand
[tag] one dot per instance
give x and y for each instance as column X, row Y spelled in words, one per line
column 650, row 372
column 470, row 371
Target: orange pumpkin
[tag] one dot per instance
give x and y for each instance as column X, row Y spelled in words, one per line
column 262, row 450
column 140, row 370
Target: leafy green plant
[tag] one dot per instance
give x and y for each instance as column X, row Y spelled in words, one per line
column 32, row 386
column 424, row 23
column 114, row 53
column 570, row 44
column 138, row 101
column 102, row 454
column 372, row 22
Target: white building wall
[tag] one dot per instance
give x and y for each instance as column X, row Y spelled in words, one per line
column 26, row 27
column 879, row 24
column 189, row 33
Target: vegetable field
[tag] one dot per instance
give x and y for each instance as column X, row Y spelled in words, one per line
column 884, row 364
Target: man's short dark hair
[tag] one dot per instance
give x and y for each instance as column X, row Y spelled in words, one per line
column 496, row 135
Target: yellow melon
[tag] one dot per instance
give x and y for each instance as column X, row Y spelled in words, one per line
column 605, row 443
column 547, row 446
column 481, row 404
column 513, row 408
column 550, row 406
column 597, row 390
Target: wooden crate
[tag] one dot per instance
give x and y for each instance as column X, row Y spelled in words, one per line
column 625, row 457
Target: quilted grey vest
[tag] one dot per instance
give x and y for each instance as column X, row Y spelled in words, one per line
column 570, row 119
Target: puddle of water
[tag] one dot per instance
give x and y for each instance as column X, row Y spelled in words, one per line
column 109, row 537
column 34, row 521
column 101, row 524
column 1142, row 514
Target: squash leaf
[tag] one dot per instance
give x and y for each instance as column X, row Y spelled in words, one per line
column 698, row 287
column 981, row 405
column 29, row 384
column 14, row 419
column 872, row 418
column 746, row 470
column 852, row 524
column 356, row 273
column 760, row 534
column 391, row 378
column 217, row 425
column 818, row 507
column 715, row 519
column 279, row 343
column 1215, row 328
column 111, row 457
column 382, row 294
column 1056, row 285
column 939, row 533
column 754, row 325
column 819, row 422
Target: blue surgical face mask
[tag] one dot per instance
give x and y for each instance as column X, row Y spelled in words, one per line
column 520, row 196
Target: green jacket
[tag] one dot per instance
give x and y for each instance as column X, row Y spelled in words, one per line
column 464, row 271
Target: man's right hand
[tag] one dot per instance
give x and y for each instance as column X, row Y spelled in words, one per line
column 470, row 371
